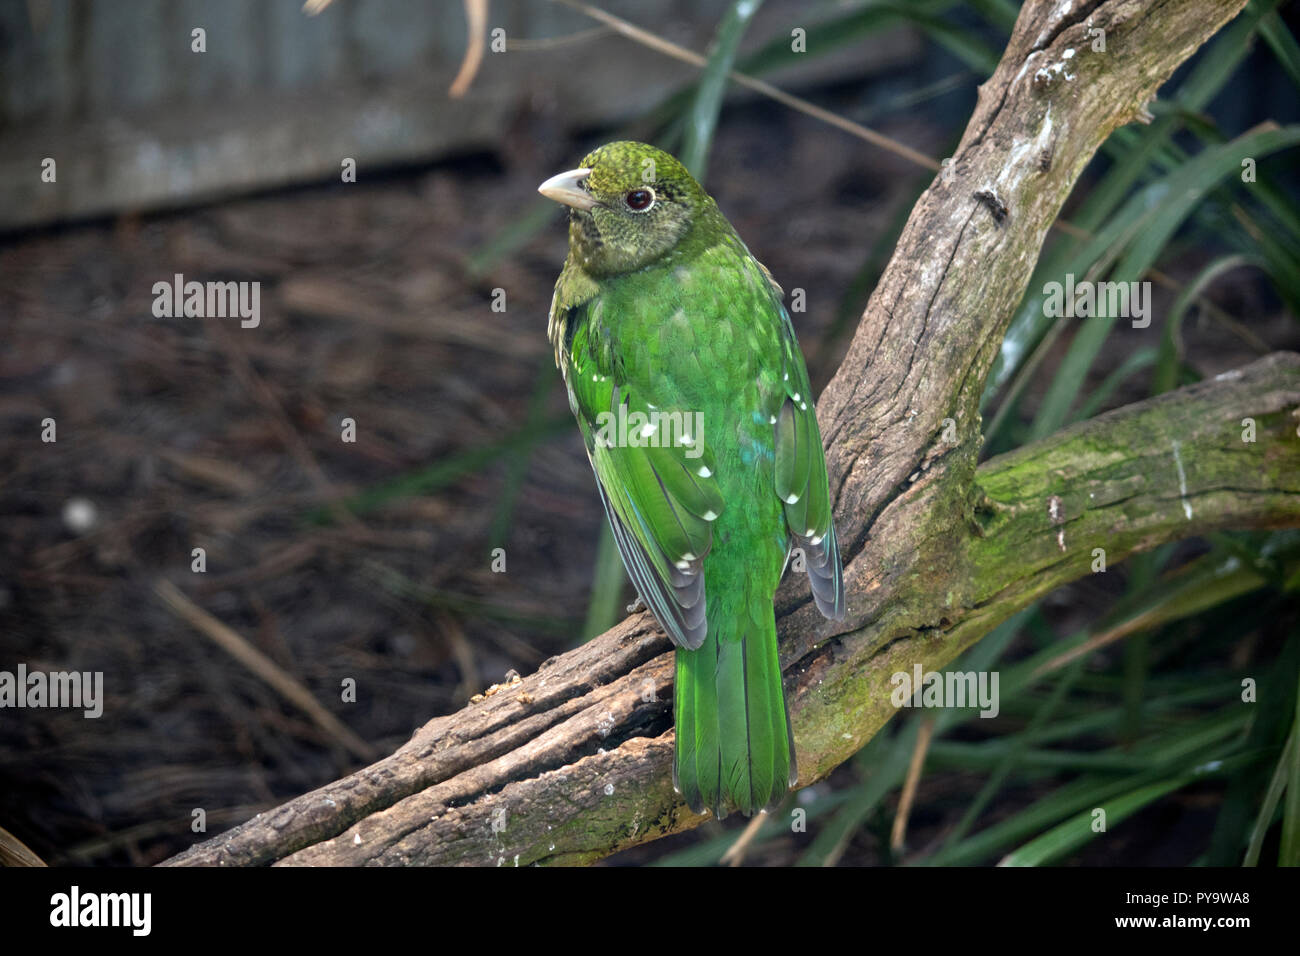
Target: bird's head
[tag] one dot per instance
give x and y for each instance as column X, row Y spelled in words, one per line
column 630, row 205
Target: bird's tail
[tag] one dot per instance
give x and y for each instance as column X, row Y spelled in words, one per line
column 734, row 746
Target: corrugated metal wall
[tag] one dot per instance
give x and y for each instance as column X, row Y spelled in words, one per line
column 134, row 119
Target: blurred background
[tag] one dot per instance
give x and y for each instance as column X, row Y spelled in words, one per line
column 412, row 301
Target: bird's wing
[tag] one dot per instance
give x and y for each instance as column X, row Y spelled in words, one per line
column 656, row 480
column 801, row 479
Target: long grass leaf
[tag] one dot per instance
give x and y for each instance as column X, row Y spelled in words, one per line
column 702, row 116
column 1176, row 195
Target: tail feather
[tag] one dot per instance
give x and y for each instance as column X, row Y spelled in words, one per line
column 737, row 743
column 734, row 746
column 696, row 755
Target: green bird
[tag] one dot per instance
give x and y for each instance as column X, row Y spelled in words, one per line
column 692, row 397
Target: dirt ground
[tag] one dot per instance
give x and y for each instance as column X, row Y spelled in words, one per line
column 175, row 434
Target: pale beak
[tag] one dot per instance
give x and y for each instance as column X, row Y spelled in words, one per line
column 565, row 188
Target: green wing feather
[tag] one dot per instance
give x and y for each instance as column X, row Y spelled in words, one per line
column 801, row 482
column 661, row 497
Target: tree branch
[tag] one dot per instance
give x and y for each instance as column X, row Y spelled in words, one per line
column 573, row 763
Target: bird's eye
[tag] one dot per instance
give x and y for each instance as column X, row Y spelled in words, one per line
column 639, row 200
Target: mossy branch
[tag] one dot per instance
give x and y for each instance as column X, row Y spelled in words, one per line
column 573, row 763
